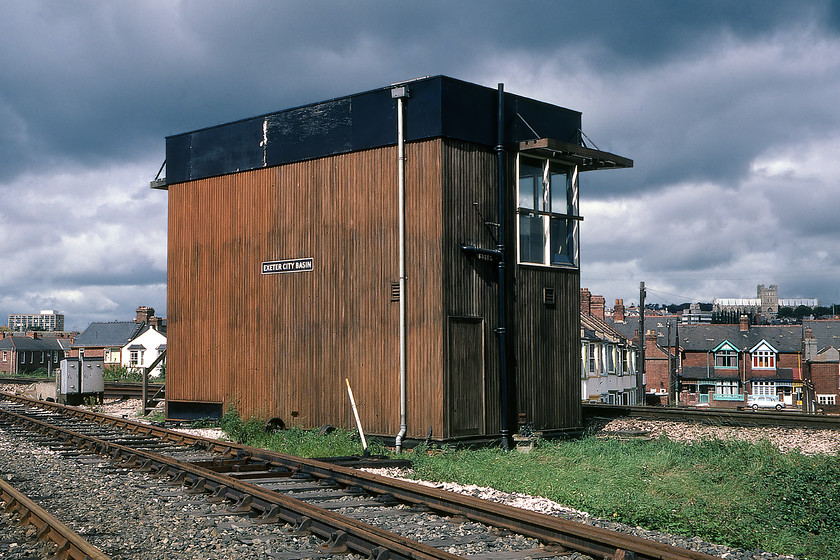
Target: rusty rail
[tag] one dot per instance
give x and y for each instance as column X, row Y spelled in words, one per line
column 341, row 533
column 48, row 527
column 715, row 416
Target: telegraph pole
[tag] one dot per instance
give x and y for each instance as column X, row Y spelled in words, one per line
column 640, row 371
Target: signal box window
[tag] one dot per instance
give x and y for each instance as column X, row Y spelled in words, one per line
column 547, row 201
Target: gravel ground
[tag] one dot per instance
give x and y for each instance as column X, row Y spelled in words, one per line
column 806, row 440
column 134, row 516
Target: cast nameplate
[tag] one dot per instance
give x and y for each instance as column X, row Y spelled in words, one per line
column 289, row 265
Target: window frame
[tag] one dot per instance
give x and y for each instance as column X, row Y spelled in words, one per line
column 764, row 359
column 726, row 356
column 727, row 387
column 571, row 217
column 763, row 388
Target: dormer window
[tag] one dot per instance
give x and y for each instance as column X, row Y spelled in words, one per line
column 763, row 356
column 764, row 359
column 726, row 359
column 726, row 356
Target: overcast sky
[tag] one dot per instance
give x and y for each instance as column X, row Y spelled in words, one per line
column 730, row 110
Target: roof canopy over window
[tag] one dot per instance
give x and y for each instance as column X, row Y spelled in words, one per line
column 586, row 159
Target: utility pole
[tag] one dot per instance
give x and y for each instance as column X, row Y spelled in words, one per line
column 640, row 372
column 670, row 367
column 675, row 387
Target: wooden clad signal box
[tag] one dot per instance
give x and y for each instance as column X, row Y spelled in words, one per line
column 283, row 263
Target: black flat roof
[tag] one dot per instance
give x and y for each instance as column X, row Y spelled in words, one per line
column 437, row 107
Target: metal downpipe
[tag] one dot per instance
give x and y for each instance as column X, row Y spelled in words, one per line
column 401, row 93
column 501, row 296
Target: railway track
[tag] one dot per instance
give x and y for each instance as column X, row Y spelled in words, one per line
column 68, row 543
column 716, row 416
column 350, row 510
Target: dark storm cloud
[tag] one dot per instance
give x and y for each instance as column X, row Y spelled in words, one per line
column 104, row 80
column 700, row 95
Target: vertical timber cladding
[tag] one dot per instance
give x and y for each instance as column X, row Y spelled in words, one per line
column 547, row 347
column 469, row 291
column 543, row 340
column 282, row 344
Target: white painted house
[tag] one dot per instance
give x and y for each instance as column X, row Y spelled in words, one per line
column 142, row 350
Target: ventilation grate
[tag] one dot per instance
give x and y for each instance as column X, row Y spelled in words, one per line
column 395, row 291
column 548, row 296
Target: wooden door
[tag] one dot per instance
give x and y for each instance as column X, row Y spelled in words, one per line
column 466, row 376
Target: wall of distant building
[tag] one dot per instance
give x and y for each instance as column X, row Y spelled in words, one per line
column 46, row 320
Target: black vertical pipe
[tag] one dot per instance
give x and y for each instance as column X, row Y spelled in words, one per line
column 502, row 293
column 640, row 371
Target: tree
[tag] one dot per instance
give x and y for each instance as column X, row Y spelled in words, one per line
column 821, row 311
column 785, row 313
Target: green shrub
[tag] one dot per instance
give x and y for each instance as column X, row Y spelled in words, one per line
column 122, row 373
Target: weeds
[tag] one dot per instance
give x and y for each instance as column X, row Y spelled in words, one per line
column 295, row 440
column 734, row 493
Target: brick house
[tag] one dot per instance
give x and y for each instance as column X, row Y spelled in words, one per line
column 106, row 340
column 822, row 380
column 659, row 360
column 721, row 364
column 30, row 353
column 658, row 349
column 822, row 366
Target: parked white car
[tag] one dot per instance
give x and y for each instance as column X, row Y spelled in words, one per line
column 764, row 401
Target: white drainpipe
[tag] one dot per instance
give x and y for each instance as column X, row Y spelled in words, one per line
column 401, row 93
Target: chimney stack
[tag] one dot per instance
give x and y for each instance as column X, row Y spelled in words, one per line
column 598, row 304
column 745, row 323
column 143, row 314
column 618, row 311
column 810, row 344
column 585, row 301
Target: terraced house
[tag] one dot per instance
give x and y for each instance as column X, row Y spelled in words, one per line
column 720, row 364
column 608, row 358
column 30, row 353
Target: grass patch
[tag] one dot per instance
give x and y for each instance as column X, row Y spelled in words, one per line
column 295, row 440
column 734, row 493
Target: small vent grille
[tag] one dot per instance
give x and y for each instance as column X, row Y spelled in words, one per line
column 548, row 296
column 395, row 291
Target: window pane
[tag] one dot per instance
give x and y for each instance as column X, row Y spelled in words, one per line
column 559, row 185
column 530, row 183
column 562, row 246
column 531, row 239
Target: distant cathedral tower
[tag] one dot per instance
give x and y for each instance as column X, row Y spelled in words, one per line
column 769, row 301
